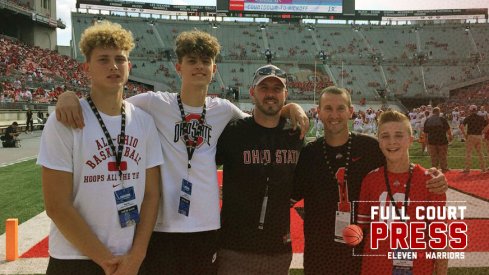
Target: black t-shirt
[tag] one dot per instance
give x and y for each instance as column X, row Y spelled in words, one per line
column 313, row 181
column 255, row 158
column 10, row 130
column 436, row 127
column 475, row 124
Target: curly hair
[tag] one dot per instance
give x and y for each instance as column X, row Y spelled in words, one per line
column 395, row 116
column 105, row 34
column 196, row 42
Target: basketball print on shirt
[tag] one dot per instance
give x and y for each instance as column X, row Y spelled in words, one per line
column 198, row 133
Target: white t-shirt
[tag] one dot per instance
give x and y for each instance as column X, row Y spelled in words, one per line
column 456, row 122
column 85, row 154
column 419, row 116
column 412, row 117
column 423, row 120
column 371, row 118
column 483, row 114
column 204, row 199
column 455, row 115
column 358, row 123
column 461, row 119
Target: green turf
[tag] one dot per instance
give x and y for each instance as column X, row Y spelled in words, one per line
column 456, row 156
column 21, row 195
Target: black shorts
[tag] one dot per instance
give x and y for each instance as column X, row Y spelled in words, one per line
column 73, row 267
column 181, row 253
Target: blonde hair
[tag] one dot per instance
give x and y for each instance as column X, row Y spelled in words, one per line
column 395, row 116
column 108, row 35
column 196, row 42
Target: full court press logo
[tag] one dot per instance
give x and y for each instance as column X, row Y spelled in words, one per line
column 435, row 231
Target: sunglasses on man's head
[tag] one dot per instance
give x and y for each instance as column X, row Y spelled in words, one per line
column 271, row 71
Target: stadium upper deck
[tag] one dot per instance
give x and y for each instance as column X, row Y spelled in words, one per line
column 407, row 61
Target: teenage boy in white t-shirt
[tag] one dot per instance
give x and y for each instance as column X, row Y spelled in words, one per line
column 189, row 124
column 101, row 184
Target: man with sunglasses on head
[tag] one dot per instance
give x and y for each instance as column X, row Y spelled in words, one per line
column 259, row 154
column 189, row 124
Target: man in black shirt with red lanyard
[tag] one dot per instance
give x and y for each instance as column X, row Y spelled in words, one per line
column 328, row 176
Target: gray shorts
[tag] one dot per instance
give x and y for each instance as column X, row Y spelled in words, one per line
column 235, row 263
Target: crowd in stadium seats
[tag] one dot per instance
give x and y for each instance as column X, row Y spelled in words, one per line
column 32, row 74
column 476, row 94
column 26, row 69
column 136, row 88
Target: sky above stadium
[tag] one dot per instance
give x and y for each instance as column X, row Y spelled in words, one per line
column 64, row 8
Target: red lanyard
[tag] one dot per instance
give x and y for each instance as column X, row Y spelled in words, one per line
column 341, row 177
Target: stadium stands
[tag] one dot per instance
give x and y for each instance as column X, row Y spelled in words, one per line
column 407, row 61
column 30, row 74
column 375, row 62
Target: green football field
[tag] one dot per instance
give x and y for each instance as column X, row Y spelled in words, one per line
column 21, row 195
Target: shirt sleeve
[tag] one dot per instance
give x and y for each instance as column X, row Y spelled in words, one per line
column 155, row 156
column 221, row 146
column 56, row 149
column 380, row 158
column 142, row 101
column 301, row 173
column 236, row 112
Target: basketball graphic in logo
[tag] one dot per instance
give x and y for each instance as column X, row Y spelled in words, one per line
column 352, row 235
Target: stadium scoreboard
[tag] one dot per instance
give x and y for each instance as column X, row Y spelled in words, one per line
column 282, row 10
column 292, row 9
column 148, row 6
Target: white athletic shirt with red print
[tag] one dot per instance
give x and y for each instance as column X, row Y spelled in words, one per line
column 204, row 199
column 87, row 155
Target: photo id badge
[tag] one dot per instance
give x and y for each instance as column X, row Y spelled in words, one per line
column 342, row 221
column 186, row 187
column 400, row 265
column 127, row 209
column 185, row 193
